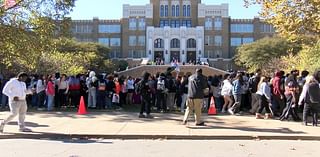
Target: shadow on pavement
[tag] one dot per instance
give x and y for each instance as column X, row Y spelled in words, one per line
column 29, row 124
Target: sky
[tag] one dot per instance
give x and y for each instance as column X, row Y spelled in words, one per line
column 112, row 9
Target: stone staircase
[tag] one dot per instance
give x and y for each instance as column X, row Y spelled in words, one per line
column 184, row 70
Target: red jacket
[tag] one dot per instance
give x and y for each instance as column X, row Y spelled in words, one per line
column 50, row 88
column 276, row 84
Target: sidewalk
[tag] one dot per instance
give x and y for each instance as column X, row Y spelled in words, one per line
column 127, row 125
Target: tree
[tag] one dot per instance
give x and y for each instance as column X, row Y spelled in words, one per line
column 26, row 31
column 258, row 54
column 293, row 19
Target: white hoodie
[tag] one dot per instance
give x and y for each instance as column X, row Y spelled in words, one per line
column 15, row 88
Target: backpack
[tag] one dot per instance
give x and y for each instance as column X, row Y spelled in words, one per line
column 171, row 85
column 314, row 93
column 253, row 84
column 161, row 85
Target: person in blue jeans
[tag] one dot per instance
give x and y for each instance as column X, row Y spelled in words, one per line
column 236, row 92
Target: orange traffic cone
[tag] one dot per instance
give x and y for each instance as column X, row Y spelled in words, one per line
column 82, row 107
column 212, row 109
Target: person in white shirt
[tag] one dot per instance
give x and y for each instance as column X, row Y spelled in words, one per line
column 226, row 92
column 264, row 95
column 130, row 88
column 16, row 90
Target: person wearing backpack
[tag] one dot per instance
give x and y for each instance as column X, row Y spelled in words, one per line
column 171, row 87
column 253, row 86
column 92, row 83
column 143, row 88
column 161, row 92
column 196, row 86
column 310, row 97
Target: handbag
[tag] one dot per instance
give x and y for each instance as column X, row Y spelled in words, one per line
column 115, row 98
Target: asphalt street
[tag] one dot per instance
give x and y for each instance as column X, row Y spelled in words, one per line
column 156, row 148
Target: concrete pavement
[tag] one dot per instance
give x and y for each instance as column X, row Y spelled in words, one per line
column 127, row 125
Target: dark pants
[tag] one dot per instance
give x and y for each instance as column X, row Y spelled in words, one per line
column 101, row 99
column 263, row 104
column 75, row 97
column 237, row 103
column 278, row 104
column 62, row 98
column 161, row 102
column 313, row 108
column 41, row 98
column 290, row 110
column 254, row 103
column 122, row 100
column 146, row 105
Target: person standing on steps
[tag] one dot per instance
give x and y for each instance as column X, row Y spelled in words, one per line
column 16, row 90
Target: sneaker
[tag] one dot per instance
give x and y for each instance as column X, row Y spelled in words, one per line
column 142, row 116
column 149, row 116
column 223, row 111
column 184, row 123
column 230, row 111
column 25, row 130
column 1, row 126
column 201, row 124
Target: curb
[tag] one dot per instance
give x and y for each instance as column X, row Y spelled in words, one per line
column 53, row 136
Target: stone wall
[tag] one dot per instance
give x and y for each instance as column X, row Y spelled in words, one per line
column 184, row 70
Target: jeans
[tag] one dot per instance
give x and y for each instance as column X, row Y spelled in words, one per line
column 161, row 101
column 41, row 99
column 263, row 104
column 183, row 103
column 92, row 97
column 254, row 102
column 4, row 100
column 313, row 108
column 101, row 99
column 50, row 102
column 237, row 103
column 146, row 105
column 170, row 100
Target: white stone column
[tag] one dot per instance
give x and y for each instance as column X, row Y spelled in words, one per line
column 167, row 44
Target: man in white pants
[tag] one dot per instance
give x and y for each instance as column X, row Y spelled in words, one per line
column 16, row 90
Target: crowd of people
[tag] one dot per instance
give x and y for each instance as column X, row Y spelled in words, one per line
column 281, row 96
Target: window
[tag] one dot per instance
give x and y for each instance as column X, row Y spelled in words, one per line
column 208, row 24
column 247, row 40
column 241, row 28
column 114, row 54
column 141, row 41
column 184, row 10
column 175, row 23
column 164, row 23
column 177, row 11
column 217, row 40
column 209, row 40
column 114, row 41
column 175, row 43
column 138, row 53
column 217, row 23
column 82, row 29
column 218, row 54
column 132, row 24
column 191, row 43
column 189, row 11
column 209, row 54
column 267, row 28
column 162, row 11
column 132, row 40
column 173, row 12
column 142, row 24
column 186, row 23
column 166, row 11
column 235, row 41
column 104, row 41
column 109, row 29
column 158, row 43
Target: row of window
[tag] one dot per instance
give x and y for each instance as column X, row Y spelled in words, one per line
column 216, row 23
column 213, row 54
column 175, row 43
column 137, row 40
column 213, row 40
column 137, row 54
column 175, row 11
column 239, row 41
column 82, row 28
column 175, row 23
column 110, row 41
column 241, row 28
column 135, row 23
column 109, row 29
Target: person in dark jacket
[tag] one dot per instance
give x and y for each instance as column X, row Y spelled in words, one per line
column 146, row 94
column 310, row 97
column 278, row 94
column 197, row 84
